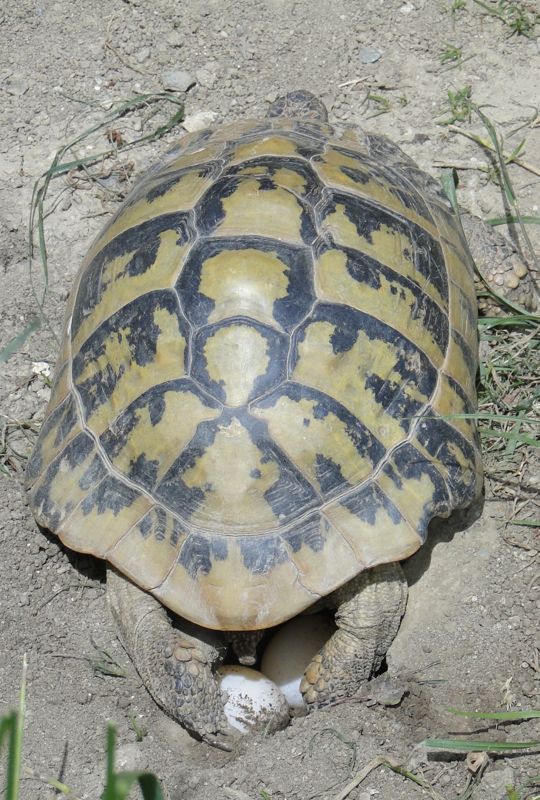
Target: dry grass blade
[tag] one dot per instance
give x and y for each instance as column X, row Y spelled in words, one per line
column 60, row 166
column 394, row 766
column 488, row 145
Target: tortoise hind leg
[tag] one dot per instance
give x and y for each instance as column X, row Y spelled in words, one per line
column 176, row 668
column 369, row 610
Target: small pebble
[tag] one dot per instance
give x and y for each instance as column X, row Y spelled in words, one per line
column 175, row 39
column 206, row 77
column 367, row 55
column 199, row 121
column 177, row 80
column 142, row 55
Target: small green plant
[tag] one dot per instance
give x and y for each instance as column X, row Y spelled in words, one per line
column 457, row 5
column 140, row 730
column 459, row 106
column 451, row 53
column 379, row 104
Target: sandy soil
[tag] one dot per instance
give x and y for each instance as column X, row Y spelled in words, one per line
column 470, row 636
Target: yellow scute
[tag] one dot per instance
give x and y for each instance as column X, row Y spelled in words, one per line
column 236, row 356
column 244, row 282
column 234, row 477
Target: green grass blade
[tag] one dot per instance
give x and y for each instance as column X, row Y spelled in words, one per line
column 499, row 715
column 119, row 784
column 17, row 342
column 510, row 219
column 479, row 746
column 506, row 182
column 12, row 728
column 59, row 166
column 8, row 729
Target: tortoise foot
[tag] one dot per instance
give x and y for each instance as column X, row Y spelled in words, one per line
column 369, row 610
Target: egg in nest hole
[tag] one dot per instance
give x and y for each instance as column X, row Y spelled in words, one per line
column 263, row 700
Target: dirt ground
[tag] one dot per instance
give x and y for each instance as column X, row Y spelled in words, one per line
column 470, row 638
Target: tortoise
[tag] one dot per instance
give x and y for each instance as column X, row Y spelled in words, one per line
column 261, row 398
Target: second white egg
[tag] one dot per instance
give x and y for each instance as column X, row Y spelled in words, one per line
column 291, row 649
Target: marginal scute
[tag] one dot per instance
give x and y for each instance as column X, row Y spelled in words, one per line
column 267, row 373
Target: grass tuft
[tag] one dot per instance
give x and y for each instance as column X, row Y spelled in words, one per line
column 513, row 15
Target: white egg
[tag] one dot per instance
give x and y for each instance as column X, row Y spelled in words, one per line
column 254, row 702
column 291, row 649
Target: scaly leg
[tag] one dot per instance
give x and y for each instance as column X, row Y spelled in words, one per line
column 176, row 668
column 369, row 610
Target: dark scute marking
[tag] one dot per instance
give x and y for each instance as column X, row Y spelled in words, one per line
column 62, row 419
column 288, row 310
column 74, row 454
column 412, row 364
column 176, row 532
column 409, row 185
column 343, row 338
column 114, row 439
column 470, row 358
column 210, row 169
column 367, row 218
column 320, row 411
column 156, row 405
column 364, row 441
column 143, row 470
column 440, row 440
column 396, row 402
column 142, row 238
column 142, row 260
column 146, row 525
column 209, row 210
column 262, row 553
column 268, row 166
column 171, row 490
column 198, row 552
column 329, row 474
column 155, row 523
column 306, row 532
column 161, row 523
column 142, row 337
column 67, row 421
column 390, row 167
column 368, row 271
column 266, row 184
column 95, row 472
column 292, row 494
column 277, row 350
column 288, row 497
column 112, row 494
column 412, row 465
column 395, row 477
column 255, row 473
column 366, row 502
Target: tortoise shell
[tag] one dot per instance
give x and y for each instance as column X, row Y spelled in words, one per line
column 268, row 360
